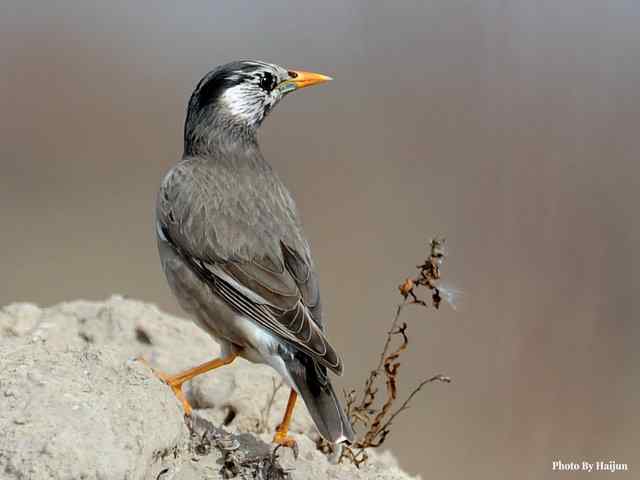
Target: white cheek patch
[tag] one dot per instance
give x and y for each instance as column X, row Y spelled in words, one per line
column 243, row 102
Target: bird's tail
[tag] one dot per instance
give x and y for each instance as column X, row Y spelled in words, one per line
column 311, row 381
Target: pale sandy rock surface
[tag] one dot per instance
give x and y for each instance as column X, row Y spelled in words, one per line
column 74, row 402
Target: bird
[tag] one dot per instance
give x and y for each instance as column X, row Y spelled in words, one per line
column 233, row 250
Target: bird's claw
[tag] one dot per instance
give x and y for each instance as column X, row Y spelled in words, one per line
column 281, row 439
column 176, row 388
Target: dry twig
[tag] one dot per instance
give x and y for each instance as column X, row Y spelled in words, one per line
column 377, row 420
column 266, row 411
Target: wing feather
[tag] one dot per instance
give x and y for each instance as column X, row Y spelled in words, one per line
column 258, row 263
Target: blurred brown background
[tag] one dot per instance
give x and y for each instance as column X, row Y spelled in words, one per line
column 509, row 126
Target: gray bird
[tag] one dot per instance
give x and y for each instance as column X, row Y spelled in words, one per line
column 232, row 246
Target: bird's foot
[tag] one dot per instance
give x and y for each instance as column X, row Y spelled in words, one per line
column 176, row 387
column 282, row 439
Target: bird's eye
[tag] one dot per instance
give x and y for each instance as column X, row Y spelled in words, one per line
column 267, row 81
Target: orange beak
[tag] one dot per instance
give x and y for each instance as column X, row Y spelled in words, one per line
column 299, row 79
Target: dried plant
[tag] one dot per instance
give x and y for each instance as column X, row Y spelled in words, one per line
column 263, row 426
column 375, row 418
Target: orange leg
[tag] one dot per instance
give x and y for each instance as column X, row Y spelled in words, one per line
column 176, row 381
column 282, row 432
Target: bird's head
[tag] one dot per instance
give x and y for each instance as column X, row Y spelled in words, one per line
column 237, row 96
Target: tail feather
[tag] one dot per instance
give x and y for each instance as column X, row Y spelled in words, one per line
column 312, row 384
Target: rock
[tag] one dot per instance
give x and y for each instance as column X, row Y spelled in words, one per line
column 75, row 402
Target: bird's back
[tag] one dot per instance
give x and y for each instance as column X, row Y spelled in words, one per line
column 232, row 210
